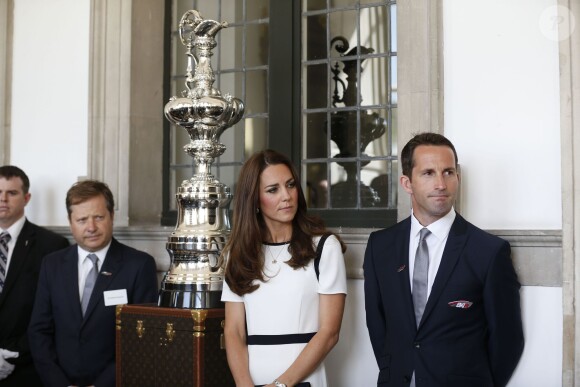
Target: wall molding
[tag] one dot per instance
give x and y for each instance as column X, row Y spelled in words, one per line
column 419, row 76
column 6, row 33
column 537, row 254
column 569, row 61
column 109, row 108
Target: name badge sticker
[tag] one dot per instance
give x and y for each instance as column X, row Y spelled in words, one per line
column 115, row 297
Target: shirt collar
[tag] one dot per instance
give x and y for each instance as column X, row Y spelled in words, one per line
column 102, row 253
column 440, row 228
column 15, row 229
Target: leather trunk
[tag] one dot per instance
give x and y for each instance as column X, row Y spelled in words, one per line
column 171, row 347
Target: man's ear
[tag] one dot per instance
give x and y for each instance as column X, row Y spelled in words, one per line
column 27, row 198
column 405, row 182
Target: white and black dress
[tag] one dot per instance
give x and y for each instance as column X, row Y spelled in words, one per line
column 286, row 309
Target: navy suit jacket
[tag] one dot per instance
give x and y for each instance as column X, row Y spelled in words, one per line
column 456, row 344
column 71, row 350
column 17, row 298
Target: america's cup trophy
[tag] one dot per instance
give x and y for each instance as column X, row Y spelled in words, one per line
column 195, row 277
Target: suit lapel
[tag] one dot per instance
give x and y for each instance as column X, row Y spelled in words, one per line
column 402, row 269
column 25, row 240
column 70, row 275
column 455, row 243
column 109, row 270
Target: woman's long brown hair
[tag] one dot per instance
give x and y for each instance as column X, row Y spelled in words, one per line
column 245, row 261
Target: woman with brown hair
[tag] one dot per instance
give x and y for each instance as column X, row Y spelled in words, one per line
column 284, row 299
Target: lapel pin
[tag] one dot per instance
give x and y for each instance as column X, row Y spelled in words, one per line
column 401, row 268
column 106, row 273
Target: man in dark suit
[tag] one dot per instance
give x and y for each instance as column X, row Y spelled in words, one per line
column 26, row 244
column 466, row 329
column 72, row 329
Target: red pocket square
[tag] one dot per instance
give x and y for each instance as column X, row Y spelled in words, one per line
column 461, row 304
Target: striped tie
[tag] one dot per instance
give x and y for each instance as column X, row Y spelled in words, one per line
column 4, row 239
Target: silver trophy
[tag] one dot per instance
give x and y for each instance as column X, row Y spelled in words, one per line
column 195, row 277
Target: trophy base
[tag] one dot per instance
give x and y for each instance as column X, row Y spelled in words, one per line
column 184, row 297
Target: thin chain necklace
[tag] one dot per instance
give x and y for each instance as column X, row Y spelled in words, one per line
column 274, row 259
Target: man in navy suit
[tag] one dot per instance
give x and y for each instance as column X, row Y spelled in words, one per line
column 470, row 331
column 27, row 244
column 71, row 347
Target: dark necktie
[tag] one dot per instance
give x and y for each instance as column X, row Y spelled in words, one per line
column 420, row 273
column 4, row 239
column 90, row 282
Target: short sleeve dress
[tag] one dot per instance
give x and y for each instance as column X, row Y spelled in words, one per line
column 287, row 304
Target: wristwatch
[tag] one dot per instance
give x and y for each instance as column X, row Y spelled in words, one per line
column 278, row 384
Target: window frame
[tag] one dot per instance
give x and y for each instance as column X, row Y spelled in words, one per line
column 414, row 93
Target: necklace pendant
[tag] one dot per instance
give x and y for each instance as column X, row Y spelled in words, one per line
column 274, row 258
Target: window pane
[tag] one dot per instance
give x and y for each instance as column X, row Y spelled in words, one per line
column 228, row 176
column 393, row 120
column 342, row 3
column 314, row 81
column 230, row 48
column 181, row 8
column 257, row 52
column 375, row 184
column 257, row 9
column 394, row 98
column 344, row 87
column 230, row 10
column 343, row 188
column 256, row 92
column 343, row 133
column 315, row 135
column 208, row 9
column 374, row 84
column 231, row 83
column 344, row 24
column 314, row 37
column 373, row 132
column 313, row 5
column 374, row 29
column 316, row 187
column 393, row 27
column 233, row 139
column 256, row 135
column 394, row 184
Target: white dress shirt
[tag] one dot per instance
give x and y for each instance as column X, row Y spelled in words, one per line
column 435, row 242
column 85, row 265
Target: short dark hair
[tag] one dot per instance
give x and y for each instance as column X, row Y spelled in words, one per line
column 87, row 189
column 10, row 171
column 426, row 138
